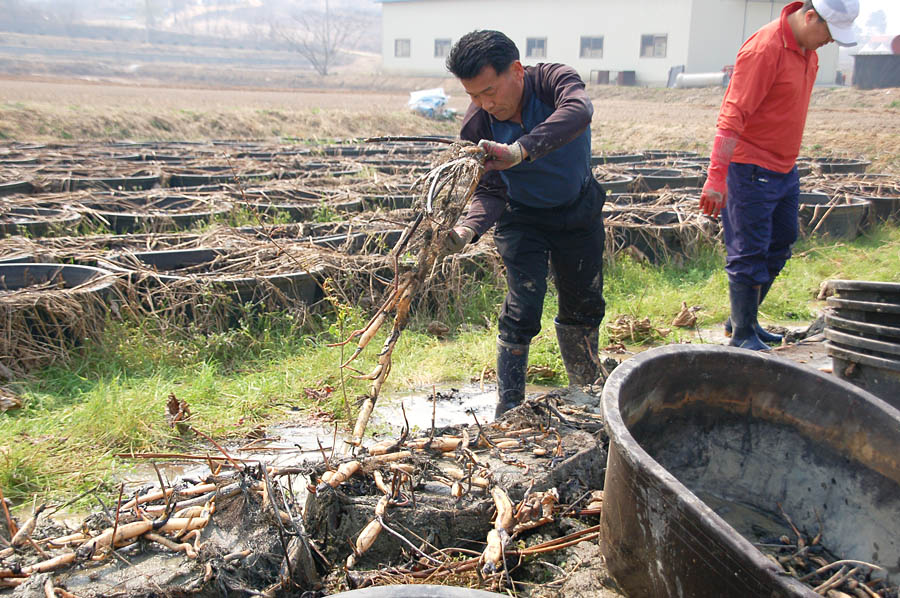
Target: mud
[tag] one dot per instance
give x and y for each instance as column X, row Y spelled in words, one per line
column 444, row 521
column 242, row 549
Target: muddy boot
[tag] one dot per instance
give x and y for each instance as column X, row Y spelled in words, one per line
column 744, row 305
column 578, row 347
column 512, row 360
column 763, row 334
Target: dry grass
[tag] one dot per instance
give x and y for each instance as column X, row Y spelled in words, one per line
column 47, row 111
column 841, row 122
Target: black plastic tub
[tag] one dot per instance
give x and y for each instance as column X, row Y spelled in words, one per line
column 619, row 183
column 625, row 200
column 17, row 258
column 49, row 309
column 841, row 165
column 706, row 442
column 388, row 202
column 870, row 370
column 125, row 183
column 862, row 326
column 841, row 219
column 669, row 154
column 37, row 222
column 659, row 239
column 169, row 266
column 871, row 312
column 174, row 212
column 882, row 209
column 653, row 179
column 18, row 276
column 835, row 321
column 597, row 160
column 15, row 187
column 867, row 290
column 302, row 212
column 224, row 176
column 375, row 242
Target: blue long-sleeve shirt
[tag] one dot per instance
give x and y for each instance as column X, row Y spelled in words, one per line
column 555, row 131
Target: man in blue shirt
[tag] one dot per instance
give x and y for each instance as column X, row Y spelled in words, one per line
column 533, row 123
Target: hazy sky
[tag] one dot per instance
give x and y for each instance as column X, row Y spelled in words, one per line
column 891, row 8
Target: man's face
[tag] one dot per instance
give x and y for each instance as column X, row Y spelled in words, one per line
column 499, row 95
column 816, row 33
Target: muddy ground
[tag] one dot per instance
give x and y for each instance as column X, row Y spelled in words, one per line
column 241, row 549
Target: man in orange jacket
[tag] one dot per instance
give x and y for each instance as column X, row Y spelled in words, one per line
column 752, row 177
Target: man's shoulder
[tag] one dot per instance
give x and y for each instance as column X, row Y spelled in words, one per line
column 475, row 125
column 547, row 68
column 766, row 39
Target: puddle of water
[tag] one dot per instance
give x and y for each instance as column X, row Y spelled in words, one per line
column 451, row 408
column 750, row 522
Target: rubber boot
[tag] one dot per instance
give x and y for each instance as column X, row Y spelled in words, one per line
column 763, row 334
column 578, row 347
column 512, row 361
column 744, row 305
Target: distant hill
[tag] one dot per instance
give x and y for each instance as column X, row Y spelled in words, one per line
column 225, row 23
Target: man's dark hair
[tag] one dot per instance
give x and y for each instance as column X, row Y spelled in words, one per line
column 477, row 49
column 808, row 5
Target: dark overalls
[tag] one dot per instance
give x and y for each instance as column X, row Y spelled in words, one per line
column 553, row 219
column 759, row 222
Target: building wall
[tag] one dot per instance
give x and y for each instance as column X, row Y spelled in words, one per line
column 702, row 35
column 621, row 24
column 720, row 27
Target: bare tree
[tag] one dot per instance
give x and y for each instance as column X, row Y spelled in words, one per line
column 319, row 37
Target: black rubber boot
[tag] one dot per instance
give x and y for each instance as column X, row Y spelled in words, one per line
column 512, row 361
column 744, row 305
column 763, row 334
column 578, row 347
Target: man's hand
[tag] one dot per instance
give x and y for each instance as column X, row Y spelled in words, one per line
column 715, row 190
column 501, row 156
column 457, row 239
column 712, row 202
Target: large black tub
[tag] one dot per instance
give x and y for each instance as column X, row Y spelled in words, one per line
column 170, row 267
column 707, row 441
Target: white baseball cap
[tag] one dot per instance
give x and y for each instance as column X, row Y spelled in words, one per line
column 839, row 16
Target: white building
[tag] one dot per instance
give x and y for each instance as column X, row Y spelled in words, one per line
column 646, row 37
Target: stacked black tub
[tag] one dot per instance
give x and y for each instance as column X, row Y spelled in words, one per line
column 862, row 327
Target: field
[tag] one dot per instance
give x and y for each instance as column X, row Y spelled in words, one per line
column 239, row 383
column 842, row 121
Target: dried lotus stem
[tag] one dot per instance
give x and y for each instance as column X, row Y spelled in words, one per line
column 343, row 473
column 456, row 490
column 50, row 564
column 24, row 534
column 379, row 483
column 493, row 553
column 184, row 547
column 368, row 536
column 506, row 518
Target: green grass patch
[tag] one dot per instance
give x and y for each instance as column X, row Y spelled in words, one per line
column 111, row 399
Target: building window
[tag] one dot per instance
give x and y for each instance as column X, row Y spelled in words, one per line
column 536, row 47
column 592, row 47
column 653, row 46
column 401, row 48
column 441, row 48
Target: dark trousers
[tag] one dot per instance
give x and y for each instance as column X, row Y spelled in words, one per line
column 570, row 239
column 759, row 222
